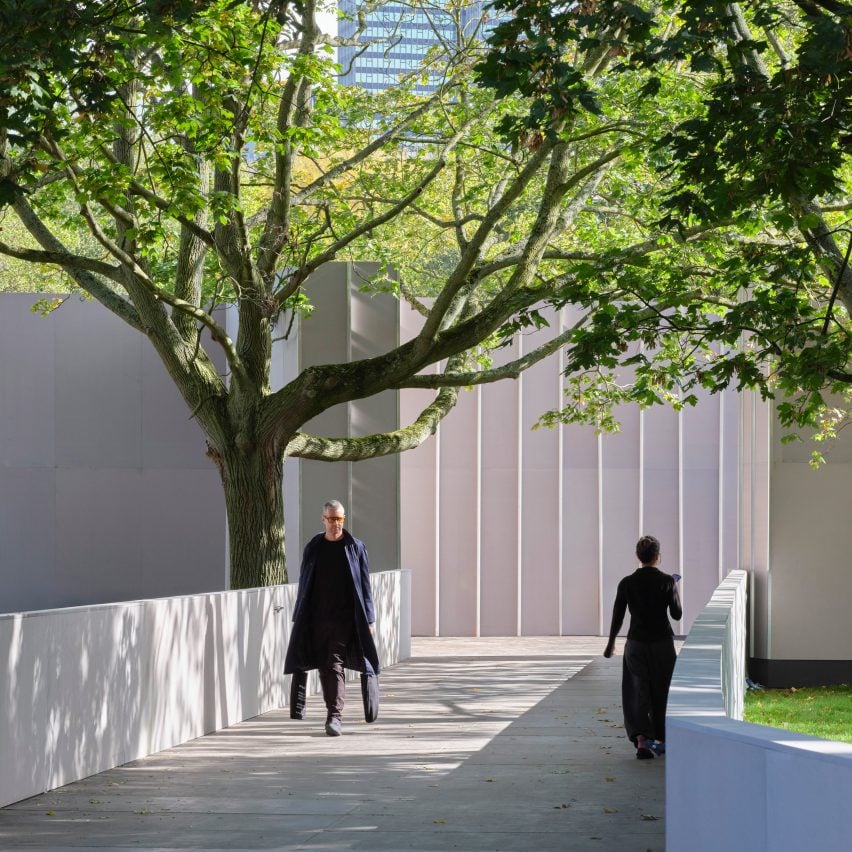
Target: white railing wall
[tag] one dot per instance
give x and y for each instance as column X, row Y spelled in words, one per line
column 89, row 688
column 734, row 785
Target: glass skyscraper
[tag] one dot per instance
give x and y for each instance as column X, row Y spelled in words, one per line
column 397, row 39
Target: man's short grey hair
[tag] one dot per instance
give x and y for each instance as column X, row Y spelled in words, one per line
column 333, row 504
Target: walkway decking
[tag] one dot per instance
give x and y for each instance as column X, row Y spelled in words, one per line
column 481, row 744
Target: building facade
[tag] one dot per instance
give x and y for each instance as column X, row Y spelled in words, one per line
column 107, row 493
column 396, row 41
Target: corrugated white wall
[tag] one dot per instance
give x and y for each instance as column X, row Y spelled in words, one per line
column 511, row 531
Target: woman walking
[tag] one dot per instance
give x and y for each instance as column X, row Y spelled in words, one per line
column 649, row 653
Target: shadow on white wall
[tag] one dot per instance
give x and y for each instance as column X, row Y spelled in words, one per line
column 89, row 688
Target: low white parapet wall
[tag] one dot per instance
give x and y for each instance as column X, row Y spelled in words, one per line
column 84, row 689
column 733, row 785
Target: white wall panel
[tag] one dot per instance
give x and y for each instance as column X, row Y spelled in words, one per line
column 458, row 545
column 419, row 534
column 620, row 501
column 811, row 576
column 167, row 441
column 27, row 402
column 581, row 555
column 754, row 513
column 99, row 419
column 661, row 483
column 701, row 464
column 95, row 442
column 499, row 553
column 540, row 515
column 28, row 569
column 730, row 406
column 561, row 509
column 418, row 510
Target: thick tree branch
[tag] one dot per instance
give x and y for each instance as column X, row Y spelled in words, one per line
column 293, row 112
column 372, row 446
column 512, row 370
column 589, row 176
column 134, row 187
column 465, row 265
column 192, row 250
column 84, row 278
column 64, row 259
column 371, row 224
column 377, row 144
column 817, row 8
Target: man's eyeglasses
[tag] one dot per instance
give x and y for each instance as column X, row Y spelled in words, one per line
column 334, row 520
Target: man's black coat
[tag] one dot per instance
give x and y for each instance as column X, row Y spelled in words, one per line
column 361, row 653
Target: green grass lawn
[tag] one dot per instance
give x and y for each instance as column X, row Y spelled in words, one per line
column 823, row 711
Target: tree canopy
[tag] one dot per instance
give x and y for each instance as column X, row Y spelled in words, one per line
column 757, row 159
column 674, row 175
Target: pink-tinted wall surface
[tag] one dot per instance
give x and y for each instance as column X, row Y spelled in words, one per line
column 514, row 531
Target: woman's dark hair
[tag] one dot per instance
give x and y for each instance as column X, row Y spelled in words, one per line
column 647, row 549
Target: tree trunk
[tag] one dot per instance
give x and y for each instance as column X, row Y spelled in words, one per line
column 255, row 507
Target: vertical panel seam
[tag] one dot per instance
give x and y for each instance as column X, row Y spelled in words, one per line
column 349, row 405
column 478, row 601
column 560, row 484
column 437, row 601
column 720, row 516
column 601, row 631
column 767, row 504
column 680, row 502
column 520, row 486
column 641, row 471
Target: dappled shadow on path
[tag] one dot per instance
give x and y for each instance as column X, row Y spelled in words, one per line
column 512, row 751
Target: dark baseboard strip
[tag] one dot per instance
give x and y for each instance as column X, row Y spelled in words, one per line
column 782, row 674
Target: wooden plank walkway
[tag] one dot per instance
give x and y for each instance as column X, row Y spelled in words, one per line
column 482, row 744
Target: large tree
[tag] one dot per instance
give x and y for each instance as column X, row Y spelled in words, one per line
column 211, row 157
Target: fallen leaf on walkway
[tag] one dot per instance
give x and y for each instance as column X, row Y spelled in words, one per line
column 489, row 780
column 51, row 813
column 610, row 810
column 601, row 710
column 609, row 780
column 649, row 818
column 563, row 805
column 94, row 801
column 439, row 821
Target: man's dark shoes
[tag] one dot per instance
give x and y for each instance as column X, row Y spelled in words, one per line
column 333, row 727
column 644, row 753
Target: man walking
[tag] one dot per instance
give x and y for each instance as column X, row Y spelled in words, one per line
column 333, row 620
